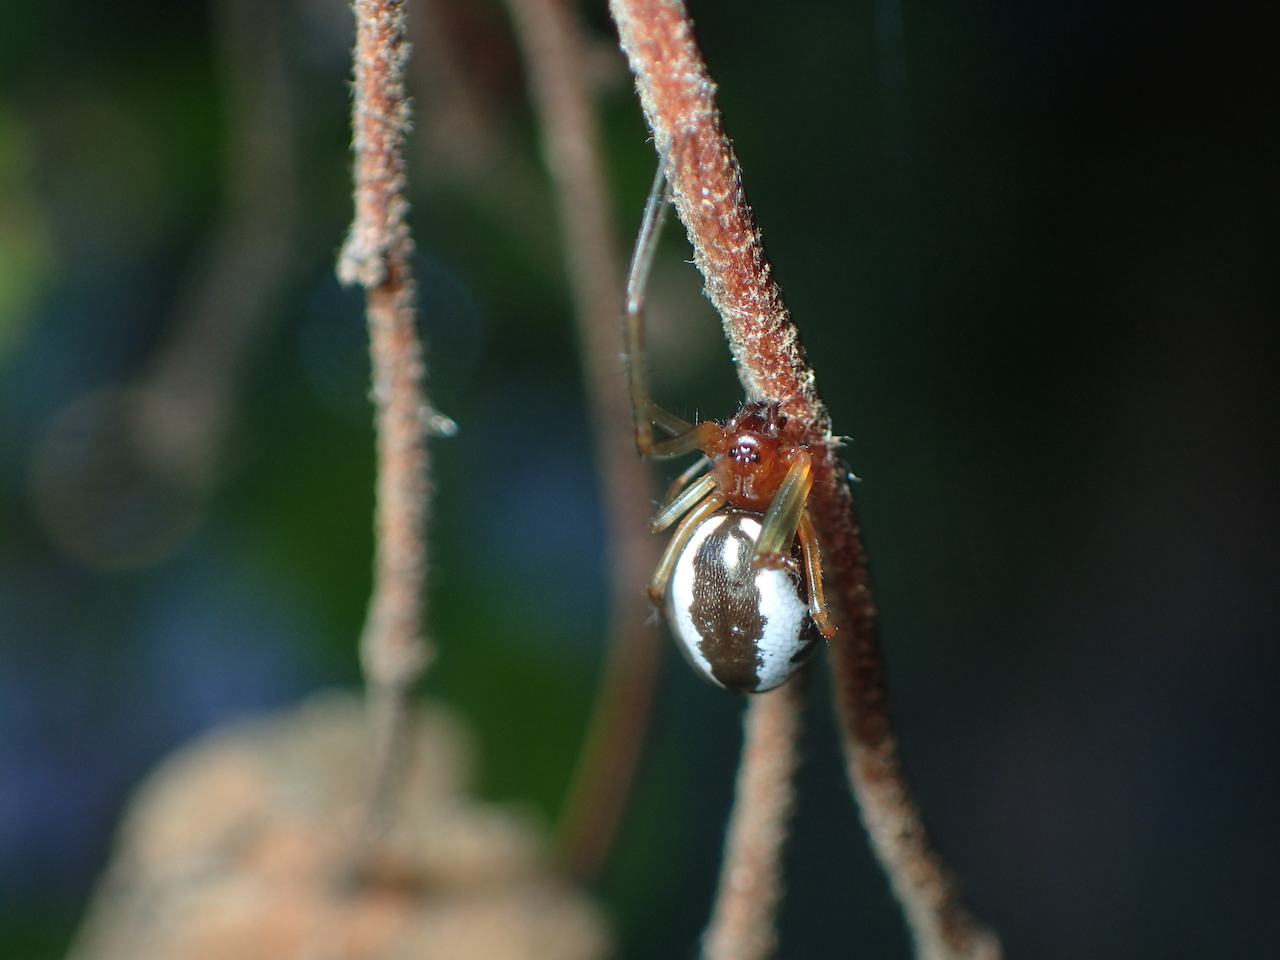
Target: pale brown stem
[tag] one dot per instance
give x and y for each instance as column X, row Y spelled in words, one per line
column 679, row 102
column 750, row 890
column 377, row 255
column 553, row 46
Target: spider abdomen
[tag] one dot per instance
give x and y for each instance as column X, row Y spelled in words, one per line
column 744, row 629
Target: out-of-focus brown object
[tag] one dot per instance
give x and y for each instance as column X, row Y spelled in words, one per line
column 556, row 51
column 238, row 847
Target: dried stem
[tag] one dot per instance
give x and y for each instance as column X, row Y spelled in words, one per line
column 377, row 255
column 742, row 923
column 678, row 99
column 553, row 45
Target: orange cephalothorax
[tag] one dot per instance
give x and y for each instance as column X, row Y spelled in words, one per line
column 750, row 458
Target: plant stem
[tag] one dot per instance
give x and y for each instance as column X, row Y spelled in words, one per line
column 553, row 46
column 377, row 255
column 750, row 889
column 679, row 102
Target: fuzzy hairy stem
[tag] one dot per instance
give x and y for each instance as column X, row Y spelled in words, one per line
column 553, row 46
column 679, row 103
column 377, row 255
column 742, row 923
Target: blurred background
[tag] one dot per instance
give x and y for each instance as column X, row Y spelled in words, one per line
column 1031, row 249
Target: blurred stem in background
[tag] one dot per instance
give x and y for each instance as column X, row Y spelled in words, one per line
column 122, row 476
column 464, row 141
column 743, row 923
column 554, row 48
column 248, row 264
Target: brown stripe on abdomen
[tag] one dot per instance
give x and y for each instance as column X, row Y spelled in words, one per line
column 726, row 607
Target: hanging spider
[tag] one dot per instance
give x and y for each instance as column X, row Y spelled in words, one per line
column 741, row 580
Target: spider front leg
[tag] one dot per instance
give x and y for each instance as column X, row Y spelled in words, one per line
column 671, row 512
column 680, row 482
column 685, row 437
column 813, row 576
column 778, row 529
column 658, row 585
column 787, row 518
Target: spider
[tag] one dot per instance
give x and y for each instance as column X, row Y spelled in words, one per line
column 741, row 580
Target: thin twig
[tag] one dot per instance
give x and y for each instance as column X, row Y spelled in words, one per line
column 742, row 923
column 377, row 255
column 678, row 99
column 553, row 45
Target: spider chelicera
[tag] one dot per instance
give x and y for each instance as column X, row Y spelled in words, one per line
column 741, row 580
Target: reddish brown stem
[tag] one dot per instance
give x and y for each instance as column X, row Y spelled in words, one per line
column 742, row 923
column 554, row 51
column 377, row 255
column 678, row 99
column 679, row 103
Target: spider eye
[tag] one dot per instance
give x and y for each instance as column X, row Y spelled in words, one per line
column 746, row 450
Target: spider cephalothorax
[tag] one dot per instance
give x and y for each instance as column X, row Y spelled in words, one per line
column 754, row 453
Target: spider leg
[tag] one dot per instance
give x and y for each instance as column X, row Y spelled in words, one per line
column 780, row 523
column 658, row 585
column 645, row 413
column 705, row 436
column 670, row 513
column 679, row 482
column 813, row 576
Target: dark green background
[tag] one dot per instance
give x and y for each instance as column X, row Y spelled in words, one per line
column 1031, row 248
